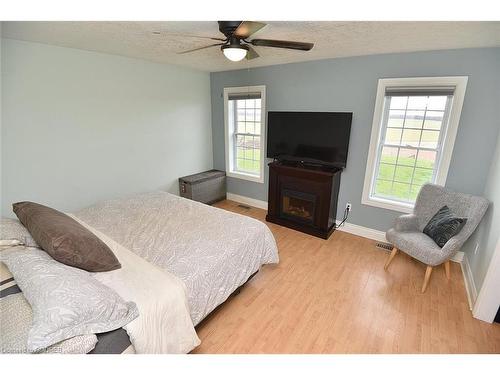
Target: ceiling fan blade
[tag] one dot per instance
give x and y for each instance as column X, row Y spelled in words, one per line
column 251, row 54
column 247, row 28
column 199, row 48
column 282, row 44
column 187, row 36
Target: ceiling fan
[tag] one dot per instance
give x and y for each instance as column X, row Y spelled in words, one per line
column 236, row 45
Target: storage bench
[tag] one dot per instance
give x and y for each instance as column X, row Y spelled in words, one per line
column 206, row 187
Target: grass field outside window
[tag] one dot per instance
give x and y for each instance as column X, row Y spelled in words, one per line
column 408, row 155
column 247, row 135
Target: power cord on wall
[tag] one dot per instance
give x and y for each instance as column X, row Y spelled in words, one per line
column 346, row 215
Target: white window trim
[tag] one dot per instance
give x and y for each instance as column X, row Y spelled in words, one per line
column 230, row 150
column 460, row 83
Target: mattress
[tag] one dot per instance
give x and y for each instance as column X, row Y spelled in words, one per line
column 211, row 250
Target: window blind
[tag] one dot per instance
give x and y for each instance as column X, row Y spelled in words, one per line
column 420, row 91
column 243, row 96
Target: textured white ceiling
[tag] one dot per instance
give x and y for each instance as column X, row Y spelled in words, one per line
column 332, row 39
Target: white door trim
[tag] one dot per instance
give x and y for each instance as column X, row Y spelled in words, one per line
column 488, row 300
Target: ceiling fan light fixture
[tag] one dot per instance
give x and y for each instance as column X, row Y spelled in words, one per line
column 235, row 52
column 236, row 46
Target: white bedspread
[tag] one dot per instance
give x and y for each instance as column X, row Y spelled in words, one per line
column 211, row 250
column 164, row 324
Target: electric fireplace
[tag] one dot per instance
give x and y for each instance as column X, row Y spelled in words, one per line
column 303, row 198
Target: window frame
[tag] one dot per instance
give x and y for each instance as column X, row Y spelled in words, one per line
column 229, row 134
column 447, row 137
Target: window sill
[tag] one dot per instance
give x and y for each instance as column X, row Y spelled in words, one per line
column 388, row 204
column 246, row 176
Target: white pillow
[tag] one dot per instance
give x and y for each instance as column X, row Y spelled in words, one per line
column 16, row 320
column 13, row 233
column 66, row 301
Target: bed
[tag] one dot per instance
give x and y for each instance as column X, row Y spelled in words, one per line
column 212, row 252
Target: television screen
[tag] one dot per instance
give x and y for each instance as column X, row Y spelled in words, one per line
column 318, row 137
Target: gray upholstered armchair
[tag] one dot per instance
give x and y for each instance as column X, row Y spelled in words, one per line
column 408, row 237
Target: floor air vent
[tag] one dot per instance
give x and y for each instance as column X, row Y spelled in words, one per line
column 384, row 245
column 244, row 206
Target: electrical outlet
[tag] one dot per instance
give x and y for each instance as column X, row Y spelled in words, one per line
column 477, row 248
column 348, row 206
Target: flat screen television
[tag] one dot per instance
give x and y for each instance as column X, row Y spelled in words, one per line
column 314, row 137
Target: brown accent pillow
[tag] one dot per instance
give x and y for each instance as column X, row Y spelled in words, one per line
column 64, row 239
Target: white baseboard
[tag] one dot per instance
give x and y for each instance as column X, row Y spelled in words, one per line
column 470, row 286
column 246, row 200
column 379, row 236
column 458, row 257
column 358, row 230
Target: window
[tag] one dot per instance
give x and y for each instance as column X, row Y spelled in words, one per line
column 413, row 132
column 244, row 117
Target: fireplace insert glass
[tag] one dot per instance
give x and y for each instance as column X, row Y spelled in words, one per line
column 298, row 205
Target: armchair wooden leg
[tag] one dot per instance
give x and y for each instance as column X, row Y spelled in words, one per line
column 391, row 257
column 428, row 272
column 447, row 269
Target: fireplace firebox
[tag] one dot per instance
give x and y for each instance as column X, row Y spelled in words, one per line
column 297, row 205
column 303, row 198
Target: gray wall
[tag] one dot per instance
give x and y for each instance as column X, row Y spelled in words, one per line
column 349, row 84
column 1, row 42
column 80, row 126
column 488, row 232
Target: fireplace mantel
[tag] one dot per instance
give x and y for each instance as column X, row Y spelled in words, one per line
column 302, row 198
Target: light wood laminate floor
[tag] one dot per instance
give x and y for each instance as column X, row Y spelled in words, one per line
column 334, row 296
